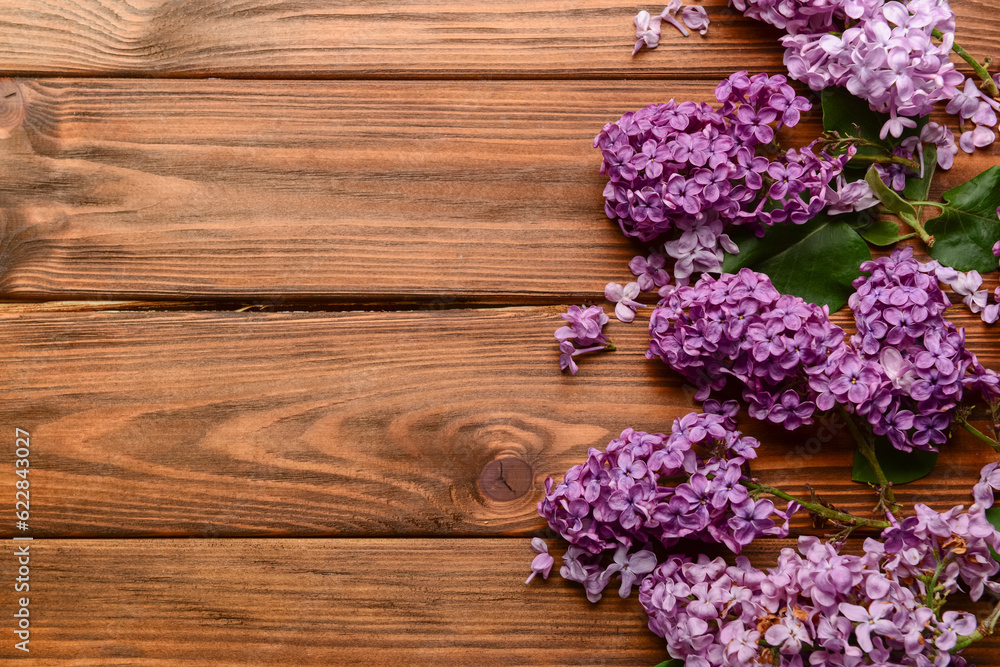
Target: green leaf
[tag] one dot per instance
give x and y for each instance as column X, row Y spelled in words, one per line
column 883, row 232
column 918, row 187
column 968, row 226
column 993, row 516
column 899, row 467
column 816, row 261
column 671, row 663
column 892, row 201
column 851, row 116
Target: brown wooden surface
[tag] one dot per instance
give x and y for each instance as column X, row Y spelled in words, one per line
column 345, row 602
column 411, row 38
column 367, row 479
column 353, row 424
column 295, row 193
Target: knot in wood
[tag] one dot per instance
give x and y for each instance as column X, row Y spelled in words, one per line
column 505, row 479
column 11, row 107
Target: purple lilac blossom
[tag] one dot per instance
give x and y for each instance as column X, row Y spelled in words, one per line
column 905, row 370
column 624, row 299
column 684, row 165
column 885, row 53
column 821, row 607
column 650, row 271
column 899, row 311
column 616, row 507
column 648, row 28
column 543, row 562
column 739, row 326
column 583, row 334
column 647, row 31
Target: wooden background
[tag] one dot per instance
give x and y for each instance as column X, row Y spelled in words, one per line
column 283, row 276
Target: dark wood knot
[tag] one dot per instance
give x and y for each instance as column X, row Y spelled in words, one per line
column 505, row 479
column 11, row 107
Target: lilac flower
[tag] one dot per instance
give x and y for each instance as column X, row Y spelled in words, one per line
column 952, row 625
column 842, row 609
column 542, row 564
column 624, row 299
column 669, row 14
column 650, row 271
column 630, row 567
column 695, row 18
column 585, row 326
column 751, row 519
column 887, row 54
column 569, row 351
column 854, row 196
column 647, row 31
column 870, row 621
column 684, row 165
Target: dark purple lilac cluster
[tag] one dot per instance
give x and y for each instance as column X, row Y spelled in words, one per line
column 905, row 370
column 886, row 53
column 615, row 512
column 739, row 326
column 680, row 165
column 918, row 363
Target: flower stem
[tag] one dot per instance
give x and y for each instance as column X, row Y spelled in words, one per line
column 887, row 500
column 816, row 508
column 985, row 629
column 979, row 434
column 888, row 159
column 935, row 204
column 988, row 83
column 915, row 224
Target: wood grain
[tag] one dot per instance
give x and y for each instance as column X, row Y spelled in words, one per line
column 410, row 38
column 429, row 423
column 301, row 193
column 332, row 602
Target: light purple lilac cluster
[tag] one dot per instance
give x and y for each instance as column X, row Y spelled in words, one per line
column 583, row 334
column 692, row 167
column 905, row 370
column 885, row 53
column 615, row 512
column 821, row 607
column 917, row 364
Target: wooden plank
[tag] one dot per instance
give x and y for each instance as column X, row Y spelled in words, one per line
column 353, row 424
column 412, row 38
column 303, row 192
column 314, row 601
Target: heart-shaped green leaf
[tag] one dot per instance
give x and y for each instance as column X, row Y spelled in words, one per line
column 817, row 260
column 968, row 226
